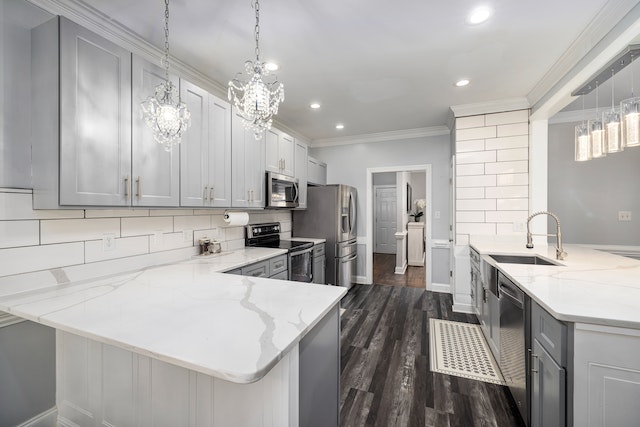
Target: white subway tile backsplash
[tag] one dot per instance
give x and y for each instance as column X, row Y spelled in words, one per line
column 508, row 117
column 507, row 216
column 513, row 154
column 506, row 228
column 476, row 205
column 233, row 245
column 19, row 206
column 171, row 212
column 150, row 225
column 509, row 192
column 75, row 230
column 476, row 181
column 475, row 228
column 169, row 241
column 115, row 213
column 197, row 222
column 476, row 157
column 476, row 133
column 234, row 233
column 512, row 204
column 470, row 145
column 470, row 169
column 43, row 257
column 470, row 193
column 513, row 179
column 470, row 122
column 462, row 239
column 513, row 130
column 520, row 141
column 472, row 216
column 124, row 247
column 19, row 233
column 519, row 166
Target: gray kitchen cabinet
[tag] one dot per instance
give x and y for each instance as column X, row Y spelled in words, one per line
column 82, row 95
column 258, row 269
column 283, row 275
column 548, row 389
column 319, row 264
column 247, row 166
column 274, row 268
column 205, row 154
column 301, row 167
column 317, row 171
column 279, row 152
column 155, row 172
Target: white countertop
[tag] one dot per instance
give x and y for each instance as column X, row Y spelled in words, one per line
column 591, row 286
column 315, row 240
column 231, row 327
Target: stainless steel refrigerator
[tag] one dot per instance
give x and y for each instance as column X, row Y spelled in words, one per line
column 331, row 215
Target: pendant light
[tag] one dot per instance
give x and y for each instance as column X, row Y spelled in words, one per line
column 597, row 133
column 611, row 121
column 630, row 112
column 257, row 100
column 582, row 140
column 167, row 119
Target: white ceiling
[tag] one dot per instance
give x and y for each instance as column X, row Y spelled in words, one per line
column 374, row 65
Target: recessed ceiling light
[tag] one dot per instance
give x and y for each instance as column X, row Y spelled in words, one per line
column 271, row 66
column 314, row 105
column 339, row 126
column 462, row 82
column 478, row 16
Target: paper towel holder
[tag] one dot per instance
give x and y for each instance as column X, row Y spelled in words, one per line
column 236, row 218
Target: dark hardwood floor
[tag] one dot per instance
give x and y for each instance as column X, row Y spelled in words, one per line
column 385, row 377
column 384, row 266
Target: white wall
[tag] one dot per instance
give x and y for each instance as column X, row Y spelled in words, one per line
column 418, row 184
column 384, row 178
column 587, row 196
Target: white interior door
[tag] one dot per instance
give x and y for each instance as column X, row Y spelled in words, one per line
column 385, row 220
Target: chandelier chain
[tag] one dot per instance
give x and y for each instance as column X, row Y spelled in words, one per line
column 256, row 30
column 166, row 39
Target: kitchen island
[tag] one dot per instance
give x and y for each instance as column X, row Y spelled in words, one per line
column 582, row 362
column 182, row 344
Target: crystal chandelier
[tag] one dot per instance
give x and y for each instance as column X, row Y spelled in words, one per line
column 257, row 100
column 167, row 119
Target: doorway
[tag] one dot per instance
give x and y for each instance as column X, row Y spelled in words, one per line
column 385, row 219
column 381, row 234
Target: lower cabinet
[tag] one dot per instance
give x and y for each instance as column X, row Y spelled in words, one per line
column 319, row 264
column 548, row 389
column 273, row 268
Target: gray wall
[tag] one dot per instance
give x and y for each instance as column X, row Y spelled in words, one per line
column 588, row 195
column 418, row 185
column 347, row 164
column 384, row 178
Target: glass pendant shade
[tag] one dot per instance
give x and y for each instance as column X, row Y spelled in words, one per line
column 613, row 128
column 597, row 134
column 630, row 112
column 583, row 143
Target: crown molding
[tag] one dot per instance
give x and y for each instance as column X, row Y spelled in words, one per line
column 607, row 18
column 101, row 24
column 381, row 136
column 488, row 107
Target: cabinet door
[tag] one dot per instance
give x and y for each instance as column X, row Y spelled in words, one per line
column 255, row 171
column 194, row 147
column 301, row 164
column 95, row 119
column 155, row 172
column 322, row 173
column 312, row 170
column 286, row 148
column 273, row 161
column 219, row 152
column 318, row 270
column 548, row 392
column 248, row 157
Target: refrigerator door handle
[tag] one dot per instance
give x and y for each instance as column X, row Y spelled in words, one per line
column 351, row 258
column 351, row 211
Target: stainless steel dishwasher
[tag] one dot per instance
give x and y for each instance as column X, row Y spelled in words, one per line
column 514, row 340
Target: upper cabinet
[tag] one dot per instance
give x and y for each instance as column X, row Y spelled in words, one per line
column 279, row 152
column 205, row 154
column 316, row 172
column 82, row 92
column 248, row 159
column 155, row 172
column 301, row 166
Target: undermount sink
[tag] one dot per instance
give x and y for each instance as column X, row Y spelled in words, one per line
column 522, row 259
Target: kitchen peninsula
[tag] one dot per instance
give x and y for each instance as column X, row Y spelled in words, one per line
column 182, row 344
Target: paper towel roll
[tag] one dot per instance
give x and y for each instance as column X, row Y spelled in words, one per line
column 236, row 218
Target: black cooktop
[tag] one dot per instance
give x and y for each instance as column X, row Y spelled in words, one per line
column 268, row 236
column 283, row 244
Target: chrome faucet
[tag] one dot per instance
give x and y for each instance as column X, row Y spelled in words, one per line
column 560, row 253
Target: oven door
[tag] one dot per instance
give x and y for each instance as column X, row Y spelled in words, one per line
column 300, row 264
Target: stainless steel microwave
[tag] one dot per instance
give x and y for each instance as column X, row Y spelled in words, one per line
column 282, row 191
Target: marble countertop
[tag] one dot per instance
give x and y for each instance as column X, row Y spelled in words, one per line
column 315, row 240
column 589, row 286
column 231, row 327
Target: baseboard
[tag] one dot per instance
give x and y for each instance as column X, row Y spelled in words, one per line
column 401, row 270
column 463, row 308
column 361, row 280
column 440, row 287
column 47, row 418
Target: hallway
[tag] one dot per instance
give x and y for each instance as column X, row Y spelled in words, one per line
column 383, row 273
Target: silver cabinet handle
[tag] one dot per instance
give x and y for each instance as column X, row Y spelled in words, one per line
column 139, row 187
column 206, row 193
column 211, row 192
column 126, row 186
column 532, row 356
